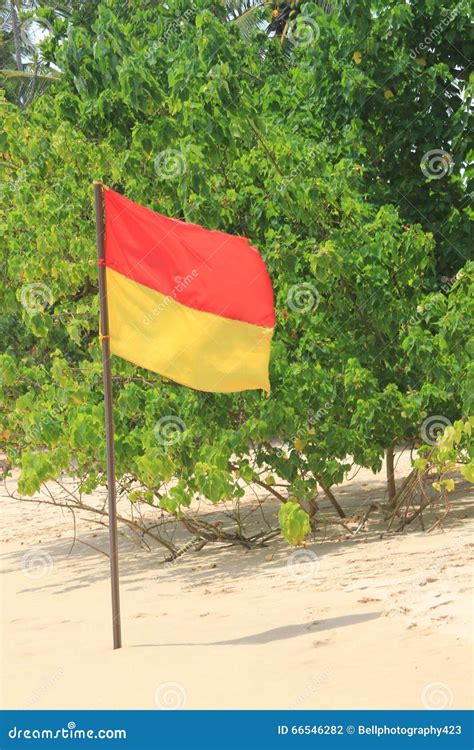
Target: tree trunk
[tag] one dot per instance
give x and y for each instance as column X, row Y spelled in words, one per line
column 331, row 498
column 391, row 486
column 16, row 34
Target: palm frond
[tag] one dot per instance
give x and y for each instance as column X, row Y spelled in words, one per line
column 22, row 86
column 28, row 75
column 249, row 21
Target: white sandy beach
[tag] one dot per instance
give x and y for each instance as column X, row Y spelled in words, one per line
column 370, row 622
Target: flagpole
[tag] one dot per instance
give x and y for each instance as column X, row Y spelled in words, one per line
column 109, row 417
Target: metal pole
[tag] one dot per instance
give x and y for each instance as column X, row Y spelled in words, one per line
column 109, row 417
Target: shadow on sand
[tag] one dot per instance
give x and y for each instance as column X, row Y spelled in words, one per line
column 278, row 634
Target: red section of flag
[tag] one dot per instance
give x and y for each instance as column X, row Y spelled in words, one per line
column 206, row 270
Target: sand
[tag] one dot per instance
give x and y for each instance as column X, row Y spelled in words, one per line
column 349, row 622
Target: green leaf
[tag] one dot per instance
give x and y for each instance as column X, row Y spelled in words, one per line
column 467, row 470
column 294, row 523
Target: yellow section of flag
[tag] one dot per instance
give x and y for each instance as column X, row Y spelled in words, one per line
column 195, row 348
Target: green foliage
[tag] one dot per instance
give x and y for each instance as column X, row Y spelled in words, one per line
column 294, row 523
column 454, row 447
column 311, row 161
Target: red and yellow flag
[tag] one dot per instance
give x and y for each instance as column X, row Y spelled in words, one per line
column 191, row 304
